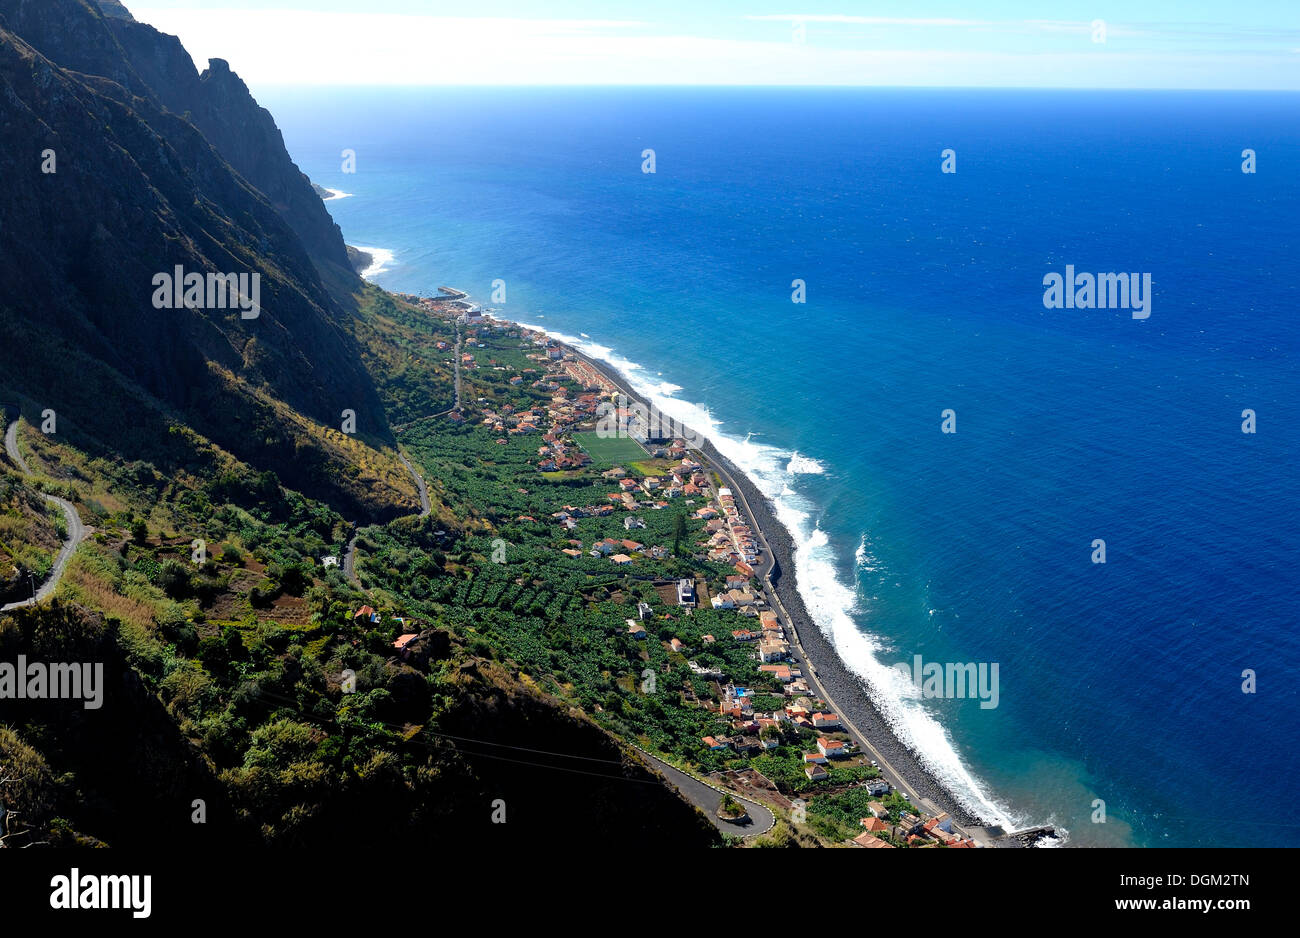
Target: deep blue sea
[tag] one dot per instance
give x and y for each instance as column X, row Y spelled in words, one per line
column 1119, row 682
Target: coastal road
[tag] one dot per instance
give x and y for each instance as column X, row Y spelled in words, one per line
column 764, row 571
column 77, row 532
column 806, row 666
column 707, row 798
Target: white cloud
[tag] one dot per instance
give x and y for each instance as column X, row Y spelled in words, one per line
column 290, row 47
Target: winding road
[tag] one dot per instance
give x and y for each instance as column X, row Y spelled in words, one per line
column 454, row 408
column 707, row 797
column 350, row 555
column 77, row 532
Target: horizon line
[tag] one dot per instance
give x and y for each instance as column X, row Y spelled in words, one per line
column 542, row 86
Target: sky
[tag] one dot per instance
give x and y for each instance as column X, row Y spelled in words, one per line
column 1222, row 44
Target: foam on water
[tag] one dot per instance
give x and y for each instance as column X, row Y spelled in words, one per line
column 863, row 559
column 380, row 259
column 804, row 465
column 832, row 604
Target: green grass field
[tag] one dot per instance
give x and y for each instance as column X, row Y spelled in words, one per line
column 609, row 451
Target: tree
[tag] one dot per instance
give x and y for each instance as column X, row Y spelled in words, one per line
column 730, row 807
column 679, row 533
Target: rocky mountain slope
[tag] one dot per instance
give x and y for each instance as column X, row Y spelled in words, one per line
column 112, row 178
column 121, row 162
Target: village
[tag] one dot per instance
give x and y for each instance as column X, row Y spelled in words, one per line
column 584, row 411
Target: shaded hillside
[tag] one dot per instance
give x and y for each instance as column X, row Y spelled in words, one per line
column 258, row 728
column 119, row 773
column 137, row 191
column 224, row 674
column 107, row 41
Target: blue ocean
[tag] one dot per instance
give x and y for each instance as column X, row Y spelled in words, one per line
column 1121, row 715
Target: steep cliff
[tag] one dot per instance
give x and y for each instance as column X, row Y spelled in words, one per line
column 75, row 35
column 107, row 188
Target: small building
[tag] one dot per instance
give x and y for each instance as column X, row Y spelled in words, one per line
column 644, row 611
column 635, row 629
column 816, row 773
column 830, row 748
column 877, row 787
column 781, row 672
column 940, row 822
column 685, row 592
column 747, row 745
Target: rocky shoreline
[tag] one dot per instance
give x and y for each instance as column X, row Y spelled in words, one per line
column 848, row 690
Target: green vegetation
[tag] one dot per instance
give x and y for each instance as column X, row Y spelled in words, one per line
column 838, row 817
column 610, row 450
column 215, row 457
column 729, row 807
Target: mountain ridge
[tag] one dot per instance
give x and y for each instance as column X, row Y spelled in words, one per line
column 135, row 190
